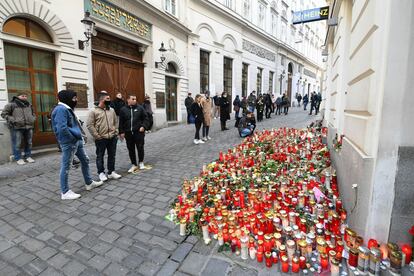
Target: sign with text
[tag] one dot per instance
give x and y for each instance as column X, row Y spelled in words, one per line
column 118, row 17
column 81, row 90
column 310, row 15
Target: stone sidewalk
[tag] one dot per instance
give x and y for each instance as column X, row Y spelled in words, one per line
column 119, row 228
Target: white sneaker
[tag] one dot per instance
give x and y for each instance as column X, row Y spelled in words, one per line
column 93, row 185
column 196, row 141
column 133, row 169
column 102, row 177
column 30, row 160
column 21, row 162
column 114, row 175
column 141, row 166
column 204, row 139
column 70, row 195
column 201, row 142
column 208, row 137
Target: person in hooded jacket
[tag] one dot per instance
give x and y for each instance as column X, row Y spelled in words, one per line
column 117, row 103
column 133, row 121
column 102, row 124
column 147, row 106
column 20, row 119
column 224, row 111
column 69, row 135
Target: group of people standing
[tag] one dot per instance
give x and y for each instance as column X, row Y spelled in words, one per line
column 315, row 100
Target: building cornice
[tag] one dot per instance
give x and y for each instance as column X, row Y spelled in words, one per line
column 247, row 25
column 169, row 19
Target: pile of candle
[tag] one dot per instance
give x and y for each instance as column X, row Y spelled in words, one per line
column 273, row 198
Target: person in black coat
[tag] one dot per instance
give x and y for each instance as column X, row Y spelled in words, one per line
column 117, row 103
column 268, row 105
column 188, row 102
column 133, row 121
column 197, row 111
column 224, row 111
column 305, row 101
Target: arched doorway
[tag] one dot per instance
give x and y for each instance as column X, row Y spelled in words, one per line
column 289, row 87
column 32, row 71
column 171, row 93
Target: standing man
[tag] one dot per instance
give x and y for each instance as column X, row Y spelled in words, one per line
column 117, row 103
column 268, row 104
column 216, row 109
column 313, row 100
column 206, row 104
column 299, row 98
column 318, row 102
column 69, row 135
column 224, row 111
column 305, row 101
column 102, row 125
column 251, row 101
column 20, row 119
column 147, row 107
column 133, row 121
column 187, row 102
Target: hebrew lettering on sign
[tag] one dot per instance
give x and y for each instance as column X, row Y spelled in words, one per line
column 258, row 51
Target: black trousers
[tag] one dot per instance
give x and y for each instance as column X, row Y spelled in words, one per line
column 312, row 108
column 268, row 111
column 197, row 127
column 135, row 139
column 108, row 145
column 223, row 124
column 259, row 115
column 286, row 109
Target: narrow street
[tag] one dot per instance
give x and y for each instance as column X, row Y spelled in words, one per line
column 119, row 228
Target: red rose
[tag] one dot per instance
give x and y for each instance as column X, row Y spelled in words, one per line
column 411, row 231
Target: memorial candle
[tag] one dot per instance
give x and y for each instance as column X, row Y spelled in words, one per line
column 324, row 261
column 259, row 256
column 295, row 265
column 269, row 260
column 285, row 264
column 408, row 251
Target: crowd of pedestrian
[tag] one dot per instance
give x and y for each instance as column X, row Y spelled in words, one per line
column 115, row 119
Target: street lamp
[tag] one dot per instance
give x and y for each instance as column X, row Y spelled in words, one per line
column 90, row 31
column 162, row 50
column 282, row 76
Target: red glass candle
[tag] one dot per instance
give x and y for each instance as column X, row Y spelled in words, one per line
column 324, row 261
column 259, row 256
column 269, row 259
column 302, row 262
column 275, row 258
column 408, row 251
column 353, row 257
column 285, row 264
column 295, row 265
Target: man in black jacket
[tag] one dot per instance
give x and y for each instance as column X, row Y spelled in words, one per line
column 188, row 102
column 133, row 121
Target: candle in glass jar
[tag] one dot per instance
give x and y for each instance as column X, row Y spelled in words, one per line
column 408, row 251
column 244, row 247
column 285, row 264
column 302, row 262
column 334, row 267
column 275, row 258
column 324, row 261
column 269, row 260
column 259, row 256
column 353, row 257
column 183, row 224
column 295, row 265
column 206, row 236
column 252, row 253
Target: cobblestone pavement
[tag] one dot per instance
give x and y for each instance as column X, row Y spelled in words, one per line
column 118, row 228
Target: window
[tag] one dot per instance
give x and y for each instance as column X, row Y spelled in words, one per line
column 26, row 28
column 204, row 71
column 259, row 80
column 171, row 7
column 282, row 60
column 246, row 8
column 32, row 71
column 274, row 24
column 271, row 82
column 262, row 16
column 245, row 75
column 228, row 3
column 171, row 68
column 228, row 76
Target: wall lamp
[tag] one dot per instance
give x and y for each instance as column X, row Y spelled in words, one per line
column 90, row 31
column 162, row 50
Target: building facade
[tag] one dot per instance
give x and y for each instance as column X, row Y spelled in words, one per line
column 216, row 46
column 368, row 88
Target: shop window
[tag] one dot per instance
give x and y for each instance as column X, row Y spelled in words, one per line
column 26, row 28
column 204, row 71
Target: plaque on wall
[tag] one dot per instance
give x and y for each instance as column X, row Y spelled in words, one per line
column 159, row 99
column 82, row 92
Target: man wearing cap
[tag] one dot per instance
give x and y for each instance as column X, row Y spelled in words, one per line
column 188, row 102
column 20, row 119
column 69, row 135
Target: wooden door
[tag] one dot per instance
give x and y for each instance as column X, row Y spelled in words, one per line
column 171, row 98
column 289, row 90
column 132, row 80
column 105, row 75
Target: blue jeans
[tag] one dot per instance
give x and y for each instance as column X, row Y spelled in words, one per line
column 68, row 152
column 18, row 137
